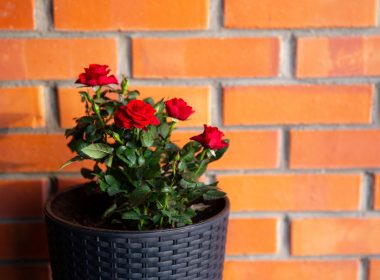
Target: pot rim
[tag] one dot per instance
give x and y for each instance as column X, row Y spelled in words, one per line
column 49, row 213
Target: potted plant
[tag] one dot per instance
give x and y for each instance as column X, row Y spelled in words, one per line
column 145, row 213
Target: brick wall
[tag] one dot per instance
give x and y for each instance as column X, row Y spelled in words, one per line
column 294, row 84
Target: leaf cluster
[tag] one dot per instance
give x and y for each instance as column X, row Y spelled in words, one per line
column 153, row 182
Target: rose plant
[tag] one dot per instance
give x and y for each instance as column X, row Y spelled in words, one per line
column 151, row 181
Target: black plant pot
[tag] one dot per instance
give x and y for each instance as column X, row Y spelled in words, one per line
column 191, row 252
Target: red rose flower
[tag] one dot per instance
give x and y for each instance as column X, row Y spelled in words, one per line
column 96, row 75
column 136, row 113
column 177, row 108
column 211, row 138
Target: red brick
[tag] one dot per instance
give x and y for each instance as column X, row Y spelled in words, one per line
column 17, row 14
column 374, row 269
column 27, row 271
column 22, row 198
column 28, row 113
column 34, row 153
column 293, row 14
column 197, row 97
column 23, row 241
column 338, row 56
column 335, row 236
column 191, row 57
column 130, row 15
column 251, row 236
column 297, row 104
column 49, row 58
column 292, row 192
column 291, row 270
column 258, row 147
column 334, row 149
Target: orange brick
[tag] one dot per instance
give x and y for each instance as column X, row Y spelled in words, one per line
column 23, row 241
column 313, row 237
column 258, row 147
column 297, row 104
column 291, row 270
column 131, row 15
column 34, row 153
column 22, row 198
column 191, row 57
column 338, row 56
column 16, row 14
column 28, row 113
column 20, row 272
column 62, row 58
column 374, row 270
column 251, row 236
column 197, row 97
column 292, row 192
column 293, row 14
column 334, row 149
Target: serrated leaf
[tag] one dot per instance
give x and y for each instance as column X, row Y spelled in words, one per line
column 133, row 94
column 130, row 215
column 103, row 185
column 70, row 161
column 213, row 195
column 163, row 130
column 97, row 151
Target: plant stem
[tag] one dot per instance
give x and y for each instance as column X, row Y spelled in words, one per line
column 203, row 154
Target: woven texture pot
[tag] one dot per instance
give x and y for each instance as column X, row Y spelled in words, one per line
column 193, row 252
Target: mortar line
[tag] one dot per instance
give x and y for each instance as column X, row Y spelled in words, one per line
column 43, row 16
column 304, row 214
column 238, row 81
column 366, row 192
column 51, row 109
column 283, row 149
column 375, row 113
column 216, row 105
column 287, row 56
column 123, row 56
column 283, row 236
column 222, row 32
column 363, row 269
column 215, row 20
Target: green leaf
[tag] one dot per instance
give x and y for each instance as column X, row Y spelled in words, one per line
column 220, row 153
column 109, row 211
column 141, row 160
column 109, row 160
column 186, row 184
column 149, row 100
column 213, row 195
column 164, row 129
column 103, row 185
column 70, row 161
column 140, row 194
column 147, row 138
column 111, row 180
column 159, row 106
column 131, row 156
column 133, row 94
column 130, row 215
column 98, row 150
column 202, row 168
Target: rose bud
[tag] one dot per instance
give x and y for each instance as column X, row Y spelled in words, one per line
column 178, row 109
column 211, row 138
column 96, row 75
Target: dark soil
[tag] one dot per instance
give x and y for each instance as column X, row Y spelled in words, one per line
column 83, row 206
